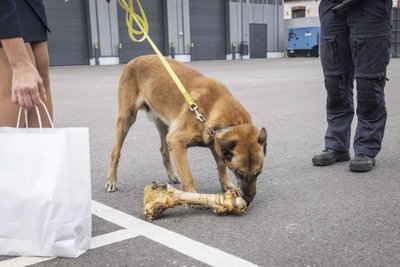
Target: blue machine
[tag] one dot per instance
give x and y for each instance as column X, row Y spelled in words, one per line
column 303, row 42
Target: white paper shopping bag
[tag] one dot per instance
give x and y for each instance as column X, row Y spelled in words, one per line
column 45, row 192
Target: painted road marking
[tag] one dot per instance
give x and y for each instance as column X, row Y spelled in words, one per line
column 180, row 243
column 97, row 242
column 136, row 227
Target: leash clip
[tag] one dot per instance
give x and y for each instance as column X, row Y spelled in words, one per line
column 194, row 108
column 199, row 116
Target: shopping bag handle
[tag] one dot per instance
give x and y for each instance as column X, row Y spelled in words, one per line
column 38, row 114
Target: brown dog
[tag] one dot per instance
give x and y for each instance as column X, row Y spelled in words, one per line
column 236, row 144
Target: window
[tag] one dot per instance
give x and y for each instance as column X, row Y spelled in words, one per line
column 298, row 12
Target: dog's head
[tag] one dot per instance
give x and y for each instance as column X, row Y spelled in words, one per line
column 243, row 149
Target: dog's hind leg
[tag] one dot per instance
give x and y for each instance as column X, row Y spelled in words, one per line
column 226, row 183
column 163, row 131
column 124, row 122
column 128, row 107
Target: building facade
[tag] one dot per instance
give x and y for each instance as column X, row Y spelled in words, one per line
column 304, row 14
column 301, row 8
column 94, row 31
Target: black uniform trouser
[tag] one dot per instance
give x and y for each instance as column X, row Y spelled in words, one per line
column 355, row 43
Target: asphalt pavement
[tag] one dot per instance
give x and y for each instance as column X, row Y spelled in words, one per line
column 302, row 215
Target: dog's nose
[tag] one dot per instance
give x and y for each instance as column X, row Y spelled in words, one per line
column 248, row 199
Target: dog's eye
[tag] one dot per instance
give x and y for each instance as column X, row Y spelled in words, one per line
column 257, row 174
column 228, row 155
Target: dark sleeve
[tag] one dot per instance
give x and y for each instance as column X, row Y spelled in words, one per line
column 10, row 25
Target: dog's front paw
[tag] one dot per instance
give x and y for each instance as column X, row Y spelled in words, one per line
column 111, row 186
column 174, row 179
column 228, row 186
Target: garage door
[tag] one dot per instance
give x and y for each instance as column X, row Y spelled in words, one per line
column 208, row 29
column 68, row 40
column 154, row 10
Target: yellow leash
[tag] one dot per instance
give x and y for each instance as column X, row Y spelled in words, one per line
column 141, row 21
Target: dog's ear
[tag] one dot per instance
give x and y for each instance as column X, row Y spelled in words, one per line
column 226, row 148
column 262, row 139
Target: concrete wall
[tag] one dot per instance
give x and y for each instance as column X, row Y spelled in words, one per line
column 104, row 29
column 242, row 14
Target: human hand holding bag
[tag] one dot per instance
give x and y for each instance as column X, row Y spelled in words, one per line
column 45, row 191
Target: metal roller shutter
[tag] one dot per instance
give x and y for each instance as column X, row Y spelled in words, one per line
column 154, row 10
column 208, row 29
column 68, row 40
column 396, row 32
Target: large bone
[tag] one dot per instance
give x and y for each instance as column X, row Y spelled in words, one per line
column 160, row 196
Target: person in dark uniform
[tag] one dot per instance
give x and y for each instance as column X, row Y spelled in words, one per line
column 355, row 44
column 24, row 61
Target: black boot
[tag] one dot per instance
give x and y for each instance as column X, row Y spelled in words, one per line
column 330, row 156
column 362, row 163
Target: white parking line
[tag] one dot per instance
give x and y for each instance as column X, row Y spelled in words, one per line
column 113, row 237
column 180, row 243
column 97, row 241
column 23, row 261
column 137, row 227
